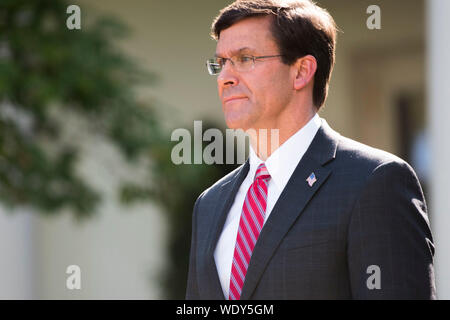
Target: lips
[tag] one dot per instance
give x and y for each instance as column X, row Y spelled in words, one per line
column 234, row 98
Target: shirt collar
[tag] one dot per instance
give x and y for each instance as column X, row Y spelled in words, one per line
column 283, row 161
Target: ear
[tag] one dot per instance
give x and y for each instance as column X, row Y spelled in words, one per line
column 305, row 69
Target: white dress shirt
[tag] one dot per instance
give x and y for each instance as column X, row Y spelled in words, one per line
column 281, row 164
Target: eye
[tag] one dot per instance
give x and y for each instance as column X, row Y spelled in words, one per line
column 244, row 59
column 220, row 61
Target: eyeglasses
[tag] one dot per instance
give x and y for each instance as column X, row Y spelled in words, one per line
column 241, row 63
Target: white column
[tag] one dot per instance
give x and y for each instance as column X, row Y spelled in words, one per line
column 438, row 67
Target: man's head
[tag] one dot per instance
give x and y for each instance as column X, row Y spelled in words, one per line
column 300, row 38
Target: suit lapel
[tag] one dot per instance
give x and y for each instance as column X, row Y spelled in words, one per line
column 228, row 193
column 291, row 203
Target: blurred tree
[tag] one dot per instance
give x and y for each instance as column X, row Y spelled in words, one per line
column 176, row 189
column 44, row 66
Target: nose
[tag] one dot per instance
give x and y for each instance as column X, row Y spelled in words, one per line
column 227, row 76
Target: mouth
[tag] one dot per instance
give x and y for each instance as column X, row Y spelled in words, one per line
column 233, row 99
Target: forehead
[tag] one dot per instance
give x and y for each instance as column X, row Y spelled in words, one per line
column 250, row 34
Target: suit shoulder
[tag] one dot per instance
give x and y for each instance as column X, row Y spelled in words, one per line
column 358, row 155
column 372, row 167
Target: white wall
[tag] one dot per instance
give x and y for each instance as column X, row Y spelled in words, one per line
column 120, row 250
column 439, row 131
column 16, row 254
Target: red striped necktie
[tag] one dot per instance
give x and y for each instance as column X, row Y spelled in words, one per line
column 250, row 225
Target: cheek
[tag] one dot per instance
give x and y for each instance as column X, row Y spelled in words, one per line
column 275, row 89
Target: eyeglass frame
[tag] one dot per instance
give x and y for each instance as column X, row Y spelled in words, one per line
column 254, row 58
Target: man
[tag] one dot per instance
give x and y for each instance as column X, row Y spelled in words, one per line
column 330, row 218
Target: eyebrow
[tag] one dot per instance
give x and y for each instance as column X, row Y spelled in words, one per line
column 234, row 52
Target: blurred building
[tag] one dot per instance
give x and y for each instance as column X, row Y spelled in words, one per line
column 388, row 90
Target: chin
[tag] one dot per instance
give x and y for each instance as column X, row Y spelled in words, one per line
column 235, row 124
column 238, row 115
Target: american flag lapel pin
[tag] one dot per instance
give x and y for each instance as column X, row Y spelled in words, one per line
column 311, row 179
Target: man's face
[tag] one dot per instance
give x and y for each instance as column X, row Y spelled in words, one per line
column 255, row 98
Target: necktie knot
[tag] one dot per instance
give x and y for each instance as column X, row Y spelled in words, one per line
column 262, row 172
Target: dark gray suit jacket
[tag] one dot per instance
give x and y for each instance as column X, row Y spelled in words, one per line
column 321, row 242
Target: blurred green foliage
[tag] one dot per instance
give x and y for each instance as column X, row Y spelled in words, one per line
column 43, row 67
column 176, row 188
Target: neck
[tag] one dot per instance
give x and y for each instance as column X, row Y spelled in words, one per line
column 267, row 139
